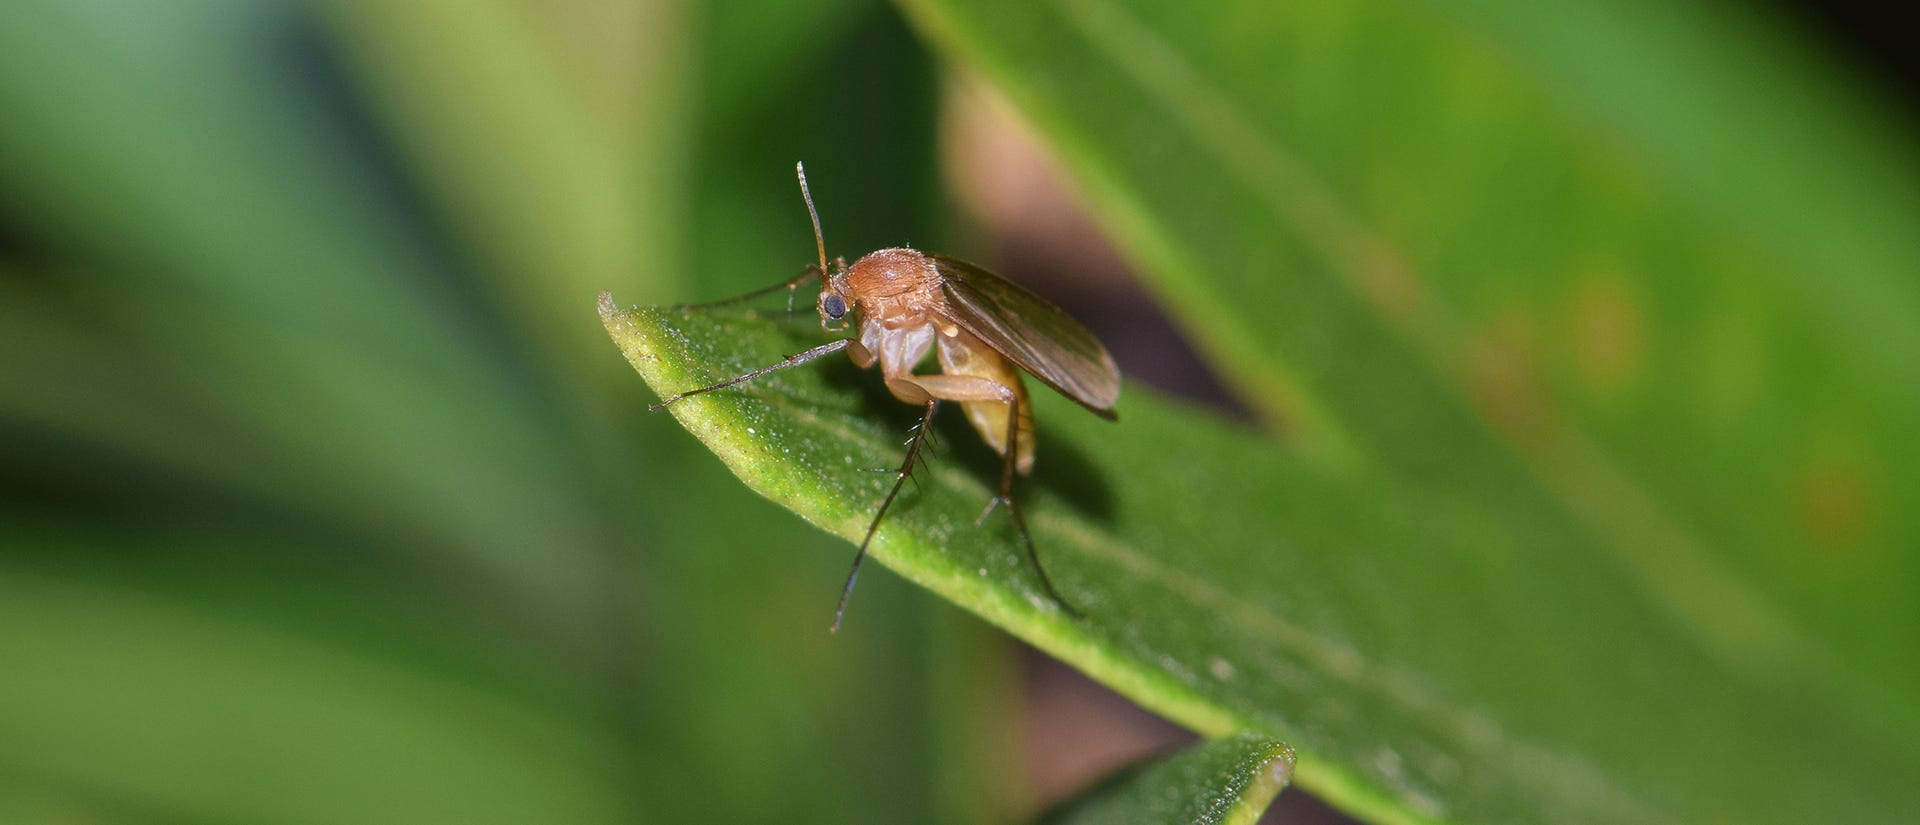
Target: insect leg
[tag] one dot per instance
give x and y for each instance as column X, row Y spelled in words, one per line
column 789, row 361
column 906, row 471
column 974, row 388
column 1013, row 506
column 811, row 272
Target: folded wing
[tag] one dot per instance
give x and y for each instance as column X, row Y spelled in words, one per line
column 1030, row 332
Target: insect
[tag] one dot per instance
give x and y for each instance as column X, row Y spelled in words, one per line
column 903, row 303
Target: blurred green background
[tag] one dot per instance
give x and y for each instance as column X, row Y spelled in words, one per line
column 326, row 498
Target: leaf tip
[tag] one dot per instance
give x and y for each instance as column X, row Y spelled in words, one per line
column 628, row 333
column 1280, row 764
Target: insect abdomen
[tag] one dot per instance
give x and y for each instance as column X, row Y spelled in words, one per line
column 963, row 354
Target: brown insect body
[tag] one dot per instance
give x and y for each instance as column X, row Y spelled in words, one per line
column 902, row 312
column 904, row 303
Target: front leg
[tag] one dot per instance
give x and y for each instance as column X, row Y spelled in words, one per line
column 914, row 445
column 789, row 361
column 812, row 272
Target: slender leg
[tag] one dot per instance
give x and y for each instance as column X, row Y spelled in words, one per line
column 965, row 388
column 906, row 471
column 1013, row 507
column 811, row 272
column 789, row 361
column 921, row 432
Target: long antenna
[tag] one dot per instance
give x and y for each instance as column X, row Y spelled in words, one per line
column 819, row 242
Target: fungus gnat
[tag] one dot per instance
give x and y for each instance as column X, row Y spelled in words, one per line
column 904, row 302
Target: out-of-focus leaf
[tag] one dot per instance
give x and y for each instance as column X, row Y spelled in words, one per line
column 238, row 258
column 198, row 712
column 302, row 267
column 1227, row 781
column 527, row 172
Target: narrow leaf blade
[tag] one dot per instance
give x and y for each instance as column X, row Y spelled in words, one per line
column 1227, row 781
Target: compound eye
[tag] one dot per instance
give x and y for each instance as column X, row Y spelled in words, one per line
column 834, row 306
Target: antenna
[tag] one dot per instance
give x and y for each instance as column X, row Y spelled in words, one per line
column 819, row 242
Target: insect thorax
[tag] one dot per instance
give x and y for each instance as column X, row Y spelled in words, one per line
column 898, row 349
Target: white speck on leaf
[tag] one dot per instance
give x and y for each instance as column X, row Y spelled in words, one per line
column 1387, row 761
column 1221, row 669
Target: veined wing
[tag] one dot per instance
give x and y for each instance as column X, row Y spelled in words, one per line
column 1030, row 332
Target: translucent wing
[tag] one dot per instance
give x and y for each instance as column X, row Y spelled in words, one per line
column 1030, row 332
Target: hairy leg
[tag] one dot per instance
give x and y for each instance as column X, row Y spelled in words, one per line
column 970, row 388
column 914, row 445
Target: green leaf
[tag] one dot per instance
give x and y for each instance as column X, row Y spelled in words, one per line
column 1431, row 242
column 315, row 512
column 1432, row 657
column 118, row 692
column 1228, row 780
column 1628, row 285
